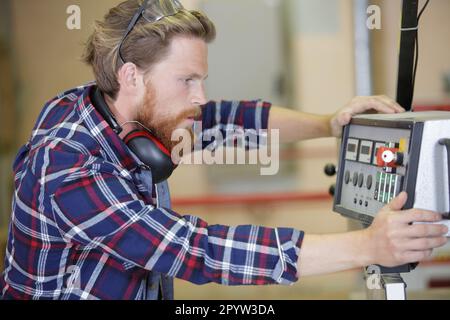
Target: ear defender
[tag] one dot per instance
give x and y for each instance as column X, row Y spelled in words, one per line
column 141, row 142
column 152, row 153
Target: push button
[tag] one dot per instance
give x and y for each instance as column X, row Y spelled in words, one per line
column 347, row 177
column 355, row 179
column 369, row 181
column 361, row 180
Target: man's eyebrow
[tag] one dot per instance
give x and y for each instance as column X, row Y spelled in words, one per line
column 197, row 76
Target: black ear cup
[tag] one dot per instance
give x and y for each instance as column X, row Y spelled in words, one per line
column 143, row 144
column 152, row 153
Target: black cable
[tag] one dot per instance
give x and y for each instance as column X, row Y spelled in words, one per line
column 416, row 62
column 422, row 10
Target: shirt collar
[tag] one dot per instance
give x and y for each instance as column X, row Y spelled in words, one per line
column 116, row 150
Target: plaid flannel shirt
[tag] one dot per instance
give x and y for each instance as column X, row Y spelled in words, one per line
column 85, row 226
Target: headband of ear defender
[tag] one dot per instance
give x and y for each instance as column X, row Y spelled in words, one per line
column 142, row 142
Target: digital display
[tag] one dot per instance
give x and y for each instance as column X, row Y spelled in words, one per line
column 365, row 149
column 351, row 147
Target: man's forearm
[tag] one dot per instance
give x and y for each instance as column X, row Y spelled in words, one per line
column 329, row 253
column 295, row 126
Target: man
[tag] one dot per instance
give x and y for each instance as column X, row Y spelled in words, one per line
column 89, row 223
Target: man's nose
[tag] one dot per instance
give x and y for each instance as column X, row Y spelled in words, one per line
column 199, row 98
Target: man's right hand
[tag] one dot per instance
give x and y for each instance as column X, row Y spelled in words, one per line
column 394, row 240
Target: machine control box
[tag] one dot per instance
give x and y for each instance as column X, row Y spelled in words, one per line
column 384, row 154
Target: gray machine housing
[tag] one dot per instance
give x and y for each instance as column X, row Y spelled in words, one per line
column 423, row 174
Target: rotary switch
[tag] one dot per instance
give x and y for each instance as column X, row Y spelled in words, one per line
column 389, row 157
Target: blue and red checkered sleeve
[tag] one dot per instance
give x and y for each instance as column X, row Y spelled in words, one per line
column 226, row 119
column 100, row 208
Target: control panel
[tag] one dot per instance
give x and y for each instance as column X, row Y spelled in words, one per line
column 382, row 155
column 374, row 167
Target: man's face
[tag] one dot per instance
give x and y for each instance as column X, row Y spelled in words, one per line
column 175, row 90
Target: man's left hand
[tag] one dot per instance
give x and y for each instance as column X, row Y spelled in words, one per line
column 357, row 105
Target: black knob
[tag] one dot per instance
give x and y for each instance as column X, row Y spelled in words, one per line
column 332, row 189
column 347, row 177
column 361, row 180
column 330, row 170
column 399, row 158
column 355, row 178
column 369, row 182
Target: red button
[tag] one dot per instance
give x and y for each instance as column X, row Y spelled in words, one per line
column 386, row 157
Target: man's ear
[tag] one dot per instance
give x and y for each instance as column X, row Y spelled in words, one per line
column 129, row 77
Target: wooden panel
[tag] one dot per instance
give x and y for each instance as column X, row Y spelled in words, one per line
column 7, row 103
column 7, row 107
column 7, row 121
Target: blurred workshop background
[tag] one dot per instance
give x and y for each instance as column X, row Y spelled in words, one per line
column 295, row 53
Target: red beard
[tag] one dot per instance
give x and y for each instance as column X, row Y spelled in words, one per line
column 162, row 126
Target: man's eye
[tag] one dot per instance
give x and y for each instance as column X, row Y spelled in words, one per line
column 189, row 80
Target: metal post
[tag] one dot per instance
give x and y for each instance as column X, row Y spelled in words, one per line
column 389, row 286
column 363, row 59
column 394, row 286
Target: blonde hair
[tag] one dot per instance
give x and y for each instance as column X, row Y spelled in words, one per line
column 147, row 44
